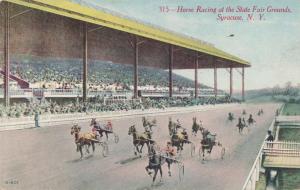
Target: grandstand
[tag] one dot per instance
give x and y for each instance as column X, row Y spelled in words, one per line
column 77, row 49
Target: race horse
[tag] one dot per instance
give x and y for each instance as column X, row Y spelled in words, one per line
column 244, row 112
column 207, row 144
column 83, row 139
column 196, row 127
column 107, row 129
column 251, row 121
column 180, row 138
column 157, row 159
column 260, row 112
column 139, row 140
column 148, row 124
column 241, row 125
column 173, row 127
column 230, row 116
column 155, row 163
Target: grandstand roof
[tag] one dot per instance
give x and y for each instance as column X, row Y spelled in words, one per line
column 92, row 13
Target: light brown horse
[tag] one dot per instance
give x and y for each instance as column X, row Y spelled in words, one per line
column 83, row 139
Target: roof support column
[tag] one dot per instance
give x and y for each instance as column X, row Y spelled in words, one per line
column 6, row 54
column 243, row 83
column 170, row 70
column 196, row 77
column 215, row 82
column 230, row 88
column 85, row 61
column 135, row 67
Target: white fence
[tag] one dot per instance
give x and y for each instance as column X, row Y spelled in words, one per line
column 19, row 93
column 58, row 119
column 73, row 93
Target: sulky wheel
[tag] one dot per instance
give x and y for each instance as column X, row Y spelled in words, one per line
column 180, row 171
column 104, row 149
column 222, row 153
column 193, row 149
column 200, row 152
column 116, row 138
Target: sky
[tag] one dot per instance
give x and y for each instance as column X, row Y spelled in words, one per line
column 271, row 44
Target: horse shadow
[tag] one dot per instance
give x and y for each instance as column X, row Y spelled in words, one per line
column 128, row 160
column 88, row 157
column 156, row 185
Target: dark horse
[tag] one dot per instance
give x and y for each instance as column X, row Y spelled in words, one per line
column 244, row 112
column 207, row 144
column 156, row 160
column 140, row 139
column 155, row 163
column 196, row 127
column 230, row 116
column 100, row 129
column 250, row 120
column 83, row 139
column 241, row 125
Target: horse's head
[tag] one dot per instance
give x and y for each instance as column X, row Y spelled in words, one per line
column 144, row 119
column 154, row 149
column 148, row 133
column 131, row 130
column 75, row 129
column 201, row 129
column 93, row 121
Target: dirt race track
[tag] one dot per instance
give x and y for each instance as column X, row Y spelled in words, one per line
column 46, row 158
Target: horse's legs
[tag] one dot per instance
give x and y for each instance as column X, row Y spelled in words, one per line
column 147, row 169
column 106, row 135
column 181, row 145
column 80, row 150
column 141, row 149
column 210, row 148
column 134, row 149
column 154, row 176
column 93, row 146
column 87, row 147
column 203, row 153
column 169, row 166
column 160, row 171
column 137, row 149
column 101, row 133
column 148, row 146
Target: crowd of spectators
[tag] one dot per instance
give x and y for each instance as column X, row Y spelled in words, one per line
column 98, row 105
column 67, row 73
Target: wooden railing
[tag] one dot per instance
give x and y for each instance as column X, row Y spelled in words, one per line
column 282, row 149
